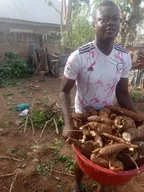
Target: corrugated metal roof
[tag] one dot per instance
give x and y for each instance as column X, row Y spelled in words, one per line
column 30, row 10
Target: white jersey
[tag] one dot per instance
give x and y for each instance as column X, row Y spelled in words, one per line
column 96, row 74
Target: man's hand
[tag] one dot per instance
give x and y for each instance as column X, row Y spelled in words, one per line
column 69, row 131
column 65, row 103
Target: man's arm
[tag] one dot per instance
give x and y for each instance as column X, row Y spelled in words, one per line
column 71, row 73
column 123, row 96
column 122, row 92
column 65, row 100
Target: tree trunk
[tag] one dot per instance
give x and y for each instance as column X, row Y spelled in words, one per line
column 128, row 30
column 69, row 13
column 134, row 19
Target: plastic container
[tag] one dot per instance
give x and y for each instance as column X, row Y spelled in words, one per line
column 22, row 106
column 24, row 113
column 101, row 175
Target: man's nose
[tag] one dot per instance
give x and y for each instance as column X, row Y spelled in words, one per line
column 110, row 22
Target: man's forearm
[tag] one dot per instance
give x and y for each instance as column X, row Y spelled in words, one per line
column 124, row 101
column 65, row 104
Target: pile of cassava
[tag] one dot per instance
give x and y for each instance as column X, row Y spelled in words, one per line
column 112, row 137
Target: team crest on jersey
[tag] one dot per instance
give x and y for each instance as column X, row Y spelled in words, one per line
column 120, row 67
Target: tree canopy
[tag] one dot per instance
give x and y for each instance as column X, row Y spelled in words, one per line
column 78, row 29
column 132, row 15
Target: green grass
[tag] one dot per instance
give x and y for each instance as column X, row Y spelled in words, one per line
column 9, row 94
column 67, row 161
column 12, row 152
column 24, row 93
column 42, row 169
column 5, row 124
column 135, row 95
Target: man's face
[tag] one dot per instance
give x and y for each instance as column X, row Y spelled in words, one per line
column 107, row 22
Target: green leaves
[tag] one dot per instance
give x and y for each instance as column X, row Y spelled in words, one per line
column 69, row 163
column 12, row 67
column 42, row 169
column 81, row 32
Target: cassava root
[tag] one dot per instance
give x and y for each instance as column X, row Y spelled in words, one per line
column 110, row 137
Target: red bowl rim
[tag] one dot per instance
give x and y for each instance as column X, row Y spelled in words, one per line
column 108, row 171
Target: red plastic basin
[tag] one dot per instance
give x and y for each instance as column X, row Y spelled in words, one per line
column 101, row 175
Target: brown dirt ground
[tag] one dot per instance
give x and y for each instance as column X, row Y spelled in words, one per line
column 25, row 178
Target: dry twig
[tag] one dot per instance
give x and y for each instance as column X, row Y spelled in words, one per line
column 26, row 122
column 52, row 105
column 45, row 127
column 1, row 116
column 14, row 180
column 56, row 127
column 32, row 125
column 10, row 158
column 57, row 105
column 35, row 141
column 51, row 170
column 54, row 171
column 21, row 127
column 73, row 131
column 7, row 175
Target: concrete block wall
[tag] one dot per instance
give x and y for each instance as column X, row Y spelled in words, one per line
column 21, row 41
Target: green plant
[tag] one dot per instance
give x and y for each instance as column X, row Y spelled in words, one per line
column 10, row 103
column 45, row 92
column 135, row 95
column 9, row 94
column 95, row 184
column 5, row 124
column 69, row 163
column 23, row 154
column 83, row 187
column 15, row 83
column 81, row 30
column 59, row 188
column 38, row 117
column 12, row 152
column 11, row 55
column 59, row 143
column 60, row 121
column 24, row 93
column 12, row 108
column 35, row 147
column 42, row 169
column 12, row 67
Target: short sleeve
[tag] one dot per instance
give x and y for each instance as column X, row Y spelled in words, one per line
column 72, row 67
column 127, row 66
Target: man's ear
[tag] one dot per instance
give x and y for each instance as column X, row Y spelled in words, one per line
column 93, row 24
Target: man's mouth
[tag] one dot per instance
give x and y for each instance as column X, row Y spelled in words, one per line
column 110, row 30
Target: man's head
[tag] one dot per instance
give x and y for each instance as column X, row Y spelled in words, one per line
column 106, row 21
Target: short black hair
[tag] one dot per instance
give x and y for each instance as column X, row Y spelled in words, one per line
column 106, row 3
column 103, row 4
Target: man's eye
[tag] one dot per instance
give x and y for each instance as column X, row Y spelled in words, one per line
column 103, row 19
column 116, row 19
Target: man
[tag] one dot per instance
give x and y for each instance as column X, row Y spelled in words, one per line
column 100, row 69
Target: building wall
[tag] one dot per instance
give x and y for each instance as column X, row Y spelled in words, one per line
column 18, row 36
column 39, row 28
